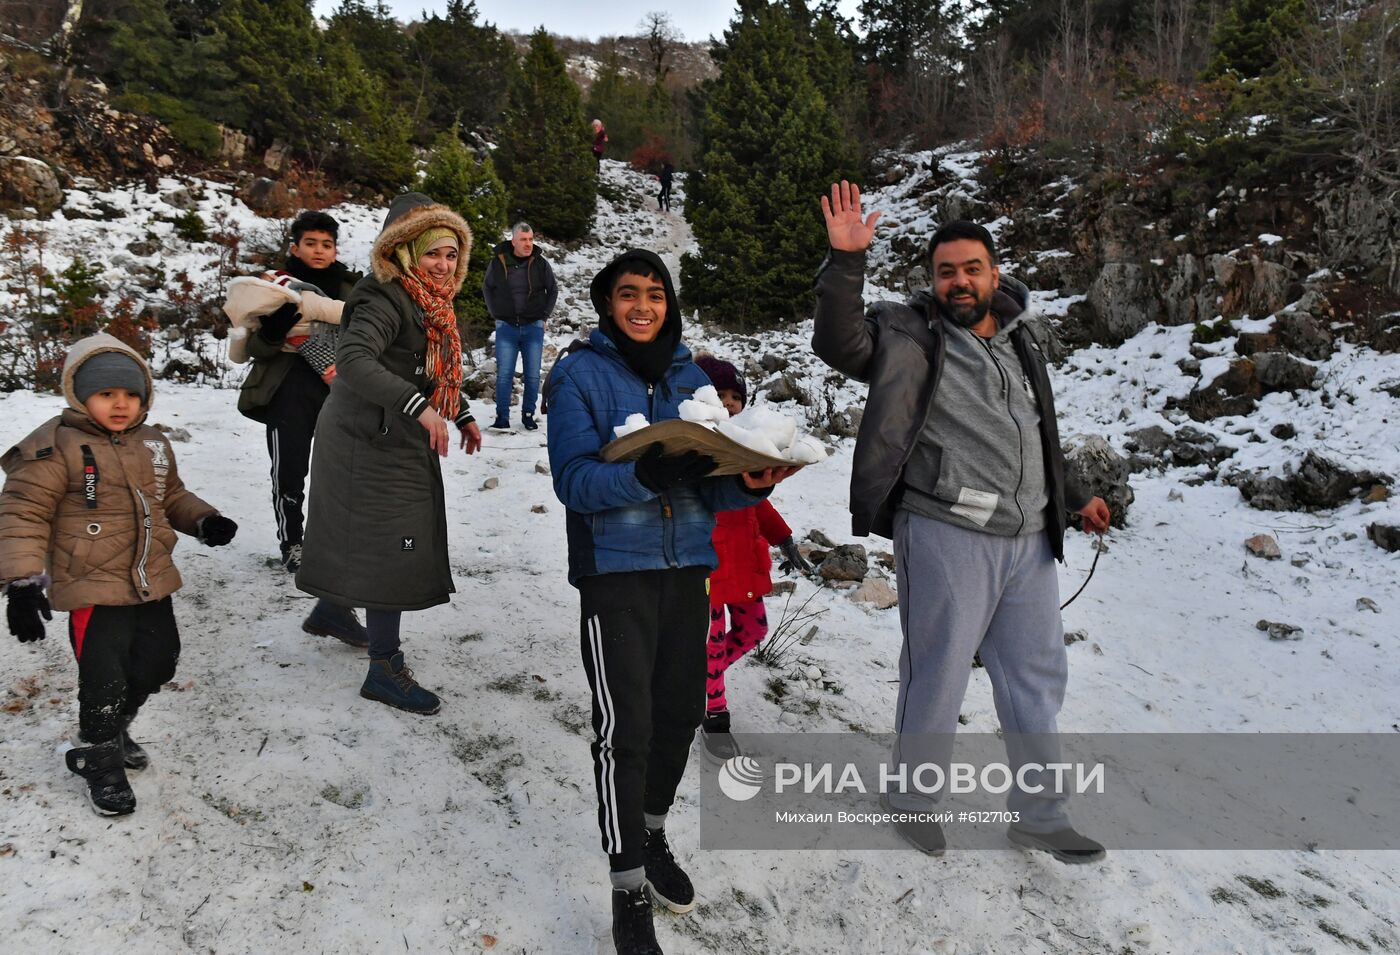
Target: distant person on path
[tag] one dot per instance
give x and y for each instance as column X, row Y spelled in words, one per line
column 600, row 141
column 663, row 200
column 958, row 461
column 89, row 511
column 285, row 393
column 520, row 293
column 738, row 618
column 377, row 529
column 639, row 554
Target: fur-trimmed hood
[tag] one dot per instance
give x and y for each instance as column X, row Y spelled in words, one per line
column 410, row 215
column 82, row 350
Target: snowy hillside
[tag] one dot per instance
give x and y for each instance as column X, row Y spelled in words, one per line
column 284, row 813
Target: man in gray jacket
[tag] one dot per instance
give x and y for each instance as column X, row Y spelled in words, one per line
column 958, row 461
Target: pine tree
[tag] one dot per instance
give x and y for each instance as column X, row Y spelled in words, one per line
column 1247, row 40
column 455, row 176
column 463, row 68
column 770, row 147
column 635, row 110
column 543, row 153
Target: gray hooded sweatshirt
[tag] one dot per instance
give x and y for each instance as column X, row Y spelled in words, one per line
column 978, row 461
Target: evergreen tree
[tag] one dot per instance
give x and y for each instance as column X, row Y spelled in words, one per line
column 1247, row 40
column 383, row 48
column 635, row 110
column 463, row 68
column 544, row 148
column 770, row 147
column 457, row 177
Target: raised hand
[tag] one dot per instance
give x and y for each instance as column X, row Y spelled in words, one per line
column 845, row 229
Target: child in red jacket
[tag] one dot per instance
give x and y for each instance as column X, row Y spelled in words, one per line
column 739, row 583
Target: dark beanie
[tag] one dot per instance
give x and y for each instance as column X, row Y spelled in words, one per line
column 109, row 369
column 723, row 375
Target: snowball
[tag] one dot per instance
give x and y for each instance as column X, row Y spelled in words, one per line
column 702, row 413
column 806, row 450
column 634, row 422
column 777, row 428
column 708, row 395
column 749, row 439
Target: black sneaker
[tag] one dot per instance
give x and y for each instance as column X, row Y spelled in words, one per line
column 101, row 765
column 291, row 558
column 528, row 422
column 133, row 756
column 500, row 426
column 1066, row 845
column 633, row 933
column 715, row 736
column 924, row 834
column 669, row 884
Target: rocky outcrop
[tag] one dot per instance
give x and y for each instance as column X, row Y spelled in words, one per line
column 1316, row 484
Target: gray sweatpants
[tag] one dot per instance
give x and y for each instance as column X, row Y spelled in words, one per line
column 961, row 591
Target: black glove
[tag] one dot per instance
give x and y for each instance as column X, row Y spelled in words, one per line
column 216, row 530
column 659, row 473
column 276, row 325
column 27, row 605
column 792, row 558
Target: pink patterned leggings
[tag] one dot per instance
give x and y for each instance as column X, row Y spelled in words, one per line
column 748, row 624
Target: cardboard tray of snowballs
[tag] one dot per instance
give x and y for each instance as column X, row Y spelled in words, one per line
column 755, row 439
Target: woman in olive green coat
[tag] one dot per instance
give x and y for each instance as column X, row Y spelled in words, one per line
column 376, row 533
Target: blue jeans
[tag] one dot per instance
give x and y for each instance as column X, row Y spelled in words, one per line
column 527, row 341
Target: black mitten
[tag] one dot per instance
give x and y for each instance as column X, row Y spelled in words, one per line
column 658, row 472
column 792, row 558
column 216, row 530
column 276, row 325
column 27, row 605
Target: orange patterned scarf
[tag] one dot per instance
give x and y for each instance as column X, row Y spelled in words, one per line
column 444, row 358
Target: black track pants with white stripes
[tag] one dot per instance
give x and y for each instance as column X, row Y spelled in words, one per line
column 643, row 641
column 291, row 423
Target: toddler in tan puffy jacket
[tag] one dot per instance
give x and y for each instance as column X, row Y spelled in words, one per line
column 89, row 511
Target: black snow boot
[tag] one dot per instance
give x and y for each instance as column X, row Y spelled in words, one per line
column 719, row 743
column 389, row 681
column 133, row 756
column 669, row 884
column 101, row 765
column 633, row 933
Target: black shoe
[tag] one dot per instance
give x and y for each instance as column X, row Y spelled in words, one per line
column 332, row 620
column 101, row 765
column 1066, row 845
column 291, row 558
column 926, row 835
column 669, row 884
column 133, row 756
column 389, row 681
column 500, row 426
column 528, row 422
column 633, row 933
column 715, row 736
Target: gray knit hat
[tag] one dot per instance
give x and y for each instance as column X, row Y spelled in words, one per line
column 109, row 369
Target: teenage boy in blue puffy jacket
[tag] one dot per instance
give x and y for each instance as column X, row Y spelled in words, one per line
column 640, row 554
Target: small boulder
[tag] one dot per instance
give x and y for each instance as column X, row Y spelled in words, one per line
column 1385, row 536
column 1262, row 545
column 773, row 363
column 541, row 467
column 846, row 562
column 785, row 388
column 877, row 593
column 1280, row 371
column 539, row 509
column 29, row 183
column 266, row 196
column 491, row 484
column 1280, row 631
column 1101, row 471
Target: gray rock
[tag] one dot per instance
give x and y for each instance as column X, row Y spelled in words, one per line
column 181, row 199
column 1385, row 536
column 491, row 484
column 845, row 562
column 1075, row 636
column 1283, row 431
column 143, row 248
column 1280, row 631
column 1100, row 470
column 1153, row 439
column 29, row 183
column 772, row 363
column 1316, row 484
column 1303, row 334
column 1280, row 371
column 265, row 196
column 1122, row 302
column 783, row 587
column 539, row 509
column 1366, row 603
column 541, row 467
column 820, row 539
column 785, row 388
column 846, row 424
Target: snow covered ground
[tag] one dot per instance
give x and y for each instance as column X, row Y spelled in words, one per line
column 284, row 813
